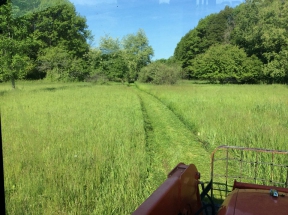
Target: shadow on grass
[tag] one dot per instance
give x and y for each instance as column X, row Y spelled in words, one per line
column 2, row 93
column 210, row 203
column 53, row 89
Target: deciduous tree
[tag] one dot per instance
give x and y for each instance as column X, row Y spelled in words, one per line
column 137, row 53
column 226, row 64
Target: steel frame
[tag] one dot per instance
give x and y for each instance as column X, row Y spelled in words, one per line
column 229, row 156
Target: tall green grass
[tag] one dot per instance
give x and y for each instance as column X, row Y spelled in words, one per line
column 254, row 116
column 242, row 115
column 170, row 141
column 73, row 149
column 78, row 148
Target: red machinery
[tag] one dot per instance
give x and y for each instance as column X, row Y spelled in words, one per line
column 244, row 181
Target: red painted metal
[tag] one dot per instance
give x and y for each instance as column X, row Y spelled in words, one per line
column 250, row 198
column 253, row 202
column 179, row 194
column 241, row 185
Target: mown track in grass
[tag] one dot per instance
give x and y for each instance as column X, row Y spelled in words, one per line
column 148, row 134
column 170, row 141
column 189, row 125
column 253, row 116
column 245, row 115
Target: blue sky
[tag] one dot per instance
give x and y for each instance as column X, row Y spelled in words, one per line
column 164, row 21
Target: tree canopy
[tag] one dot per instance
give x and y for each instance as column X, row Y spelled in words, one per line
column 49, row 39
column 121, row 60
column 226, row 64
column 210, row 30
column 26, row 37
column 258, row 27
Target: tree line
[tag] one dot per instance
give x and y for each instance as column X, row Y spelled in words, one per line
column 53, row 42
column 245, row 44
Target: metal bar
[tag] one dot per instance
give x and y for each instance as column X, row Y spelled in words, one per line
column 254, row 162
column 241, row 165
column 212, row 172
column 272, row 167
column 255, row 170
column 287, row 177
column 244, row 172
column 250, row 149
column 235, row 177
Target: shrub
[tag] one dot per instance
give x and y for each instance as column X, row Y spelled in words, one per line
column 160, row 73
column 226, row 64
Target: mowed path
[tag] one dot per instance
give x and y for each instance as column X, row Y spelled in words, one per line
column 169, row 141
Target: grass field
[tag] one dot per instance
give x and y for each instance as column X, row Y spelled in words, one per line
column 102, row 149
column 242, row 115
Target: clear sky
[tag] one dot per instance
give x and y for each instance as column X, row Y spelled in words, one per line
column 164, row 21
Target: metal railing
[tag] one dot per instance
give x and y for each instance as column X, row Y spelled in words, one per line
column 250, row 165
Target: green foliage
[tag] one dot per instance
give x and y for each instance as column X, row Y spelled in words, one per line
column 277, row 69
column 120, row 61
column 170, row 61
column 20, row 66
column 262, row 31
column 15, row 64
column 23, row 8
column 54, row 61
column 77, row 70
column 29, row 31
column 187, row 48
column 112, row 66
column 137, row 52
column 61, row 26
column 115, row 67
column 109, row 45
column 259, row 27
column 109, row 60
column 59, row 65
column 17, row 68
column 226, row 64
column 213, row 29
column 160, row 73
